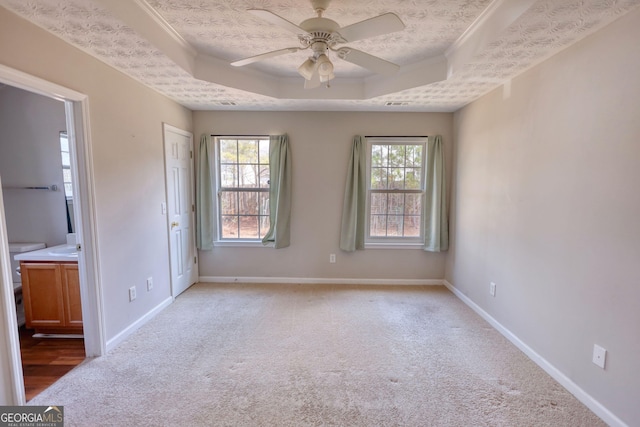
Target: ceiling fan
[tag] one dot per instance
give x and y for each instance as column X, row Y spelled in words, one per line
column 322, row 35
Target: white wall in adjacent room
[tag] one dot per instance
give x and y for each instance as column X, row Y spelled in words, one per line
column 30, row 156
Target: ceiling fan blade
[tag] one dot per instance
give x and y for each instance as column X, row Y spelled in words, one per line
column 383, row 24
column 370, row 62
column 276, row 20
column 262, row 56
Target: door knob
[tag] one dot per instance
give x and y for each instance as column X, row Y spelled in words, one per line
column 174, row 224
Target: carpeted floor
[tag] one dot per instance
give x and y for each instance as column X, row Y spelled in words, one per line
column 315, row 355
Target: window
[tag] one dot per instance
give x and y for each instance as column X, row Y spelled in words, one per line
column 242, row 169
column 396, row 188
column 66, row 165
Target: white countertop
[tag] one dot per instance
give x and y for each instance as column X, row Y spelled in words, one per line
column 60, row 253
column 25, row 247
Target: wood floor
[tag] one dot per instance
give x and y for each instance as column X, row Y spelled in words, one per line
column 45, row 360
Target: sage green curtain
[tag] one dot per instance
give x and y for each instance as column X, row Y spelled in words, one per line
column 204, row 196
column 353, row 209
column 279, row 192
column 436, row 223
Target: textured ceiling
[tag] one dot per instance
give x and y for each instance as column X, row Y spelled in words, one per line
column 431, row 27
column 437, row 31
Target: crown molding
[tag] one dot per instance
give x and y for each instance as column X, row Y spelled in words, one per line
column 498, row 16
column 145, row 20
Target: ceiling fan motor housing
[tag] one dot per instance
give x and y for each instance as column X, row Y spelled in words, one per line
column 323, row 25
column 322, row 34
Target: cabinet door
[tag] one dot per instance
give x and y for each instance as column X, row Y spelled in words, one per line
column 43, row 295
column 72, row 302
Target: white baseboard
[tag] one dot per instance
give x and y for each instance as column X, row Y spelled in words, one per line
column 591, row 403
column 118, row 339
column 320, row 281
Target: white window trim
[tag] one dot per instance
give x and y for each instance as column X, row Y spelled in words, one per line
column 395, row 242
column 219, row 241
column 407, row 245
column 245, row 243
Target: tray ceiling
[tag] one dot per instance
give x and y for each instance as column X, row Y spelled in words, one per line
column 451, row 52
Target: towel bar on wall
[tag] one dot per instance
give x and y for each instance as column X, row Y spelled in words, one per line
column 53, row 187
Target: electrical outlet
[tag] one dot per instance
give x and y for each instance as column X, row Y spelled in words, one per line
column 492, row 289
column 332, row 258
column 132, row 293
column 599, row 355
column 149, row 284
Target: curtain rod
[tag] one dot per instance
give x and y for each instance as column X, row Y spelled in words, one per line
column 396, row 136
column 366, row 136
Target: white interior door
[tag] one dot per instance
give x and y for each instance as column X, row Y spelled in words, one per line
column 178, row 153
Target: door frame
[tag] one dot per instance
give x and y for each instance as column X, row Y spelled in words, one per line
column 169, row 128
column 78, row 131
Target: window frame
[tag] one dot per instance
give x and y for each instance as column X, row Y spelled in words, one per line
column 67, row 185
column 396, row 242
column 219, row 189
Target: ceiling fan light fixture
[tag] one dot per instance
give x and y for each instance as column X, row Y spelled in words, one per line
column 325, row 67
column 307, row 68
column 324, row 79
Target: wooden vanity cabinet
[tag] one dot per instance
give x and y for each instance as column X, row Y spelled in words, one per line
column 51, row 292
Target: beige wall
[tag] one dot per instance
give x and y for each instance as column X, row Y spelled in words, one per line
column 126, row 135
column 547, row 205
column 320, row 146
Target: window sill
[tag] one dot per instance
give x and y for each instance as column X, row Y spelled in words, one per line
column 242, row 244
column 372, row 245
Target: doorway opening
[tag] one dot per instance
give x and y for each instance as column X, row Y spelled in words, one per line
column 78, row 279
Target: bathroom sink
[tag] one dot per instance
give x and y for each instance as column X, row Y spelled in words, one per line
column 63, row 253
column 64, row 250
